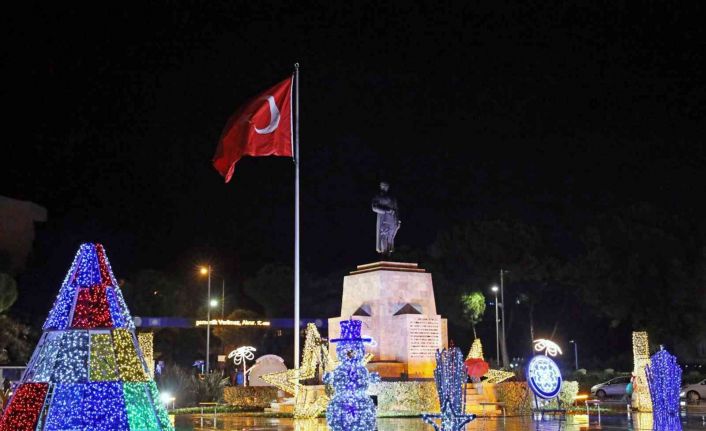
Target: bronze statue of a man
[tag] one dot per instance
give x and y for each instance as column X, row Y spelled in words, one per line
column 388, row 223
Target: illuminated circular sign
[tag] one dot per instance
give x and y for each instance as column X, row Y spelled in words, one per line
column 544, row 377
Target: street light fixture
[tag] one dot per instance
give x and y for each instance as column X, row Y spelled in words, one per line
column 214, row 303
column 497, row 327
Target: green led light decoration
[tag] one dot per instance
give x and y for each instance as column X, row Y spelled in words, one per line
column 664, row 379
column 87, row 371
column 450, row 378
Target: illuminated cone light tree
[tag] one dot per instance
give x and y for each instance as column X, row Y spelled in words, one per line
column 87, row 372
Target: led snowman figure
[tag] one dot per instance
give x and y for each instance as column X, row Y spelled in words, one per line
column 351, row 408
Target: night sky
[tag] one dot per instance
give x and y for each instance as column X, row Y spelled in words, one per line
column 550, row 111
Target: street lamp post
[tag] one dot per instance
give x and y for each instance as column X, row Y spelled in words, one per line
column 207, row 271
column 497, row 329
column 506, row 359
column 223, row 300
column 576, row 353
column 210, row 303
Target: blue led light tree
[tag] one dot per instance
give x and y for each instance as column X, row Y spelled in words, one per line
column 664, row 379
column 450, row 378
column 351, row 409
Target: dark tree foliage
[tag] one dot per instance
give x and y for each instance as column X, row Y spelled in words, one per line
column 15, row 347
column 644, row 269
column 635, row 269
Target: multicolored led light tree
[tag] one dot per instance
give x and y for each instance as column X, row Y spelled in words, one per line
column 351, row 408
column 450, row 378
column 664, row 378
column 87, row 372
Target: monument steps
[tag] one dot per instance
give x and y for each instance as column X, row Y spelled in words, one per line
column 473, row 400
column 285, row 405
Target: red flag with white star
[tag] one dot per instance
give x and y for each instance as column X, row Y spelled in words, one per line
column 261, row 127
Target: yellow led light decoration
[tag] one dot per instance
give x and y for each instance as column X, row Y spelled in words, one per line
column 476, row 351
column 493, row 376
column 497, row 376
column 103, row 368
column 129, row 364
column 146, row 342
column 641, row 398
column 315, row 357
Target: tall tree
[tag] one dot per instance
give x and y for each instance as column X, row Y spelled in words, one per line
column 473, row 308
column 8, row 292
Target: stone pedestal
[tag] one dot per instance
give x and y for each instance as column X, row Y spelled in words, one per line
column 395, row 302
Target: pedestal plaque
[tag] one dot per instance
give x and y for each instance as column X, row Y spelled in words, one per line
column 396, row 303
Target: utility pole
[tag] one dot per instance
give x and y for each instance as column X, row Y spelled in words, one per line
column 576, row 353
column 497, row 330
column 208, row 322
column 506, row 359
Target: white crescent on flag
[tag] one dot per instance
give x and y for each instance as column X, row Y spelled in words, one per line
column 274, row 118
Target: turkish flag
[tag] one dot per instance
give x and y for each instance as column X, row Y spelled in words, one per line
column 261, row 127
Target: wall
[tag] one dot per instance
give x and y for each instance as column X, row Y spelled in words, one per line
column 249, row 396
column 405, row 398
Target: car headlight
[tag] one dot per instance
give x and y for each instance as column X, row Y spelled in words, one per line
column 682, row 394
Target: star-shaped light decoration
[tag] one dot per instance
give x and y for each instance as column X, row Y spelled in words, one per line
column 315, row 357
column 493, row 376
column 450, row 419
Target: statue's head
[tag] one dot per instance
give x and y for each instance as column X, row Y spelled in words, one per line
column 384, row 186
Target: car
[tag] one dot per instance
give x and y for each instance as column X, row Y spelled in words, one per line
column 612, row 388
column 694, row 392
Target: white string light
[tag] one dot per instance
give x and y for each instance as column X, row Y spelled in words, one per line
column 549, row 347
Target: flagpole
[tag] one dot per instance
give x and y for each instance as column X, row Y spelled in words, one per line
column 296, row 215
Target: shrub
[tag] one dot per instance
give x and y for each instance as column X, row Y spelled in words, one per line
column 189, row 389
column 250, row 396
column 177, row 381
column 516, row 396
column 209, row 388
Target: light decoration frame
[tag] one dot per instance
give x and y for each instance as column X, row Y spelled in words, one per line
column 641, row 398
column 146, row 342
column 664, row 379
column 129, row 364
column 450, row 377
column 240, row 356
column 103, row 367
column 104, row 407
column 71, row 365
column 544, row 377
column 23, row 412
column 549, row 347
